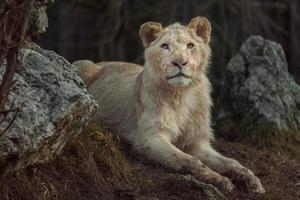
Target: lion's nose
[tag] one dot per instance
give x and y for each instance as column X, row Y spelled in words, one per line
column 179, row 63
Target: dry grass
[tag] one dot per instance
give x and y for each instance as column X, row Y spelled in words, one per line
column 93, row 166
column 262, row 136
column 88, row 169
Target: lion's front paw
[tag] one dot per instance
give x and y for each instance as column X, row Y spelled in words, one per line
column 221, row 182
column 255, row 186
column 225, row 185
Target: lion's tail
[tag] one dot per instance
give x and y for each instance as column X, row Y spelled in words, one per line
column 87, row 70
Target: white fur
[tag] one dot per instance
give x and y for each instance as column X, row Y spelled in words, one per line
column 180, row 81
column 168, row 123
column 187, row 71
column 172, row 71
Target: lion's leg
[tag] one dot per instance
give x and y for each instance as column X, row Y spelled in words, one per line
column 228, row 166
column 159, row 149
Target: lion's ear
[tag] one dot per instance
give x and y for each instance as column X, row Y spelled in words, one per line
column 202, row 27
column 149, row 32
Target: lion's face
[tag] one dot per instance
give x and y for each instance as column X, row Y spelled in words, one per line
column 176, row 54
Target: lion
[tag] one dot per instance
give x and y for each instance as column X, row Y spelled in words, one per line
column 163, row 109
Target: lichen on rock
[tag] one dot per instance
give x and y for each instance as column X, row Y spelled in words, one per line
column 54, row 107
column 259, row 92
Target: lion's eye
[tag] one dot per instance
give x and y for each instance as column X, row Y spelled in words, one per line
column 190, row 45
column 164, row 46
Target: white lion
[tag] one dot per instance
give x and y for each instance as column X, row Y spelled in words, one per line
column 163, row 108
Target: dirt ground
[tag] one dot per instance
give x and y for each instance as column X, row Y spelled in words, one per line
column 97, row 166
column 278, row 172
column 279, row 175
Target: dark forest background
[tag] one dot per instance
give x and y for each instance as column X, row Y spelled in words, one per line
column 104, row 30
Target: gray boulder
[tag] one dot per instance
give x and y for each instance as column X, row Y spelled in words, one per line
column 54, row 107
column 259, row 91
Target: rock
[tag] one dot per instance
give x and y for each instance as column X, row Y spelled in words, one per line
column 54, row 107
column 259, row 91
column 211, row 191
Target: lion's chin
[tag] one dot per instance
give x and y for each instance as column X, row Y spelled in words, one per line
column 179, row 81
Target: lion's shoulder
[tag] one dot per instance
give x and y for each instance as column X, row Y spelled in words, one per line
column 90, row 71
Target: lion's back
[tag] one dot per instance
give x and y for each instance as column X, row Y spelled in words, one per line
column 114, row 89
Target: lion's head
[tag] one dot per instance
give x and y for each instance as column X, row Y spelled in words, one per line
column 177, row 54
